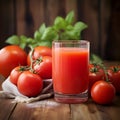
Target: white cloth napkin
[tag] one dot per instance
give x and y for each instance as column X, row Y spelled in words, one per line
column 9, row 90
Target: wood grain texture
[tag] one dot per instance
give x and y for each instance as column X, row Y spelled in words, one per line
column 105, row 12
column 92, row 111
column 42, row 110
column 113, row 38
column 20, row 17
column 6, row 108
column 23, row 17
column 89, row 13
column 7, row 20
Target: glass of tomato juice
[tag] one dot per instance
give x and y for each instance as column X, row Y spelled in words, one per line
column 70, row 60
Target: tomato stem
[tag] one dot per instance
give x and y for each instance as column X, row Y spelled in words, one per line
column 104, row 69
column 39, row 60
column 31, row 59
column 94, row 70
column 115, row 69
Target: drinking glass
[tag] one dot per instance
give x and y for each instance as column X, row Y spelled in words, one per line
column 70, row 61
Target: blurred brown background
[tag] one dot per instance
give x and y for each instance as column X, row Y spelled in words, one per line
column 23, row 17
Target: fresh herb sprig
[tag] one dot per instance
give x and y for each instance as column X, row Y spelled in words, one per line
column 62, row 29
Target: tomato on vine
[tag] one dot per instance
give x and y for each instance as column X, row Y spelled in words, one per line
column 29, row 84
column 15, row 73
column 38, row 52
column 43, row 67
column 114, row 76
column 96, row 73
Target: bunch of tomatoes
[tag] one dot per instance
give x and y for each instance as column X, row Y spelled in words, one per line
column 27, row 72
column 104, row 83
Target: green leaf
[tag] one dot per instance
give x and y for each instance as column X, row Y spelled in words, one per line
column 37, row 35
column 45, row 43
column 30, row 40
column 49, row 34
column 23, row 38
column 42, row 28
column 70, row 17
column 23, row 42
column 60, row 23
column 14, row 39
column 73, row 35
column 95, row 59
column 69, row 27
column 64, row 36
column 80, row 26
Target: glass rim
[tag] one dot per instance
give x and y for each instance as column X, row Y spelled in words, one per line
column 70, row 41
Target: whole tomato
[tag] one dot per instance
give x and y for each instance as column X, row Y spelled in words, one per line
column 38, row 52
column 114, row 76
column 10, row 57
column 43, row 67
column 96, row 73
column 29, row 84
column 103, row 92
column 15, row 73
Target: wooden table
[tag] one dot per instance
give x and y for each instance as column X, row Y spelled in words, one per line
column 50, row 110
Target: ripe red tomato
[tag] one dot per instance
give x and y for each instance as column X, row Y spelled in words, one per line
column 15, row 73
column 44, row 68
column 38, row 52
column 103, row 92
column 30, row 84
column 10, row 57
column 114, row 77
column 96, row 73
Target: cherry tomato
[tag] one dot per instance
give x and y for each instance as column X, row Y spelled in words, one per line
column 103, row 92
column 44, row 67
column 10, row 57
column 114, row 77
column 30, row 84
column 15, row 73
column 38, row 52
column 96, row 73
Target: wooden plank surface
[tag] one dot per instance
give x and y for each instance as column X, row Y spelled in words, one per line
column 42, row 110
column 7, row 106
column 92, row 111
column 7, row 20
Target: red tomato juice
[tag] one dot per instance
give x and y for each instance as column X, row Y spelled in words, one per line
column 70, row 70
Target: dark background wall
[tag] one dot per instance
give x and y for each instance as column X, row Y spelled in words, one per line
column 23, row 17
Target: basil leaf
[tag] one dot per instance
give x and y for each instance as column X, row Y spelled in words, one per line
column 14, row 39
column 60, row 23
column 37, row 35
column 45, row 43
column 49, row 34
column 42, row 28
column 23, row 42
column 70, row 17
column 95, row 59
column 80, row 26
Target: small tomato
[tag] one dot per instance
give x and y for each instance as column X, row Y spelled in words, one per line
column 96, row 73
column 44, row 67
column 38, row 52
column 114, row 77
column 30, row 84
column 15, row 73
column 103, row 92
